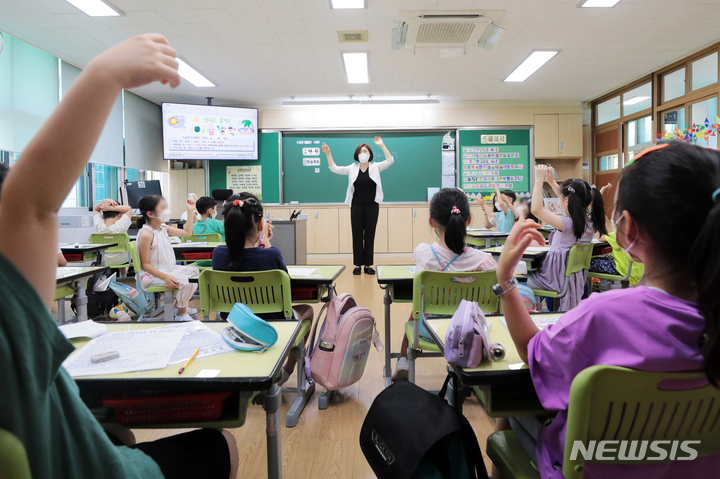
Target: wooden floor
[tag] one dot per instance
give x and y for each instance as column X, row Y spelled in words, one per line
column 325, row 444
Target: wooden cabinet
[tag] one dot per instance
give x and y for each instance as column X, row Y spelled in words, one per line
column 546, row 136
column 570, row 134
column 182, row 183
column 478, row 216
column 421, row 230
column 558, row 136
column 326, row 230
column 345, row 231
column 278, row 213
column 310, row 226
column 381, row 233
column 400, row 237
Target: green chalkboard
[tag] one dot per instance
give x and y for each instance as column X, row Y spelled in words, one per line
column 500, row 156
column 269, row 160
column 417, row 165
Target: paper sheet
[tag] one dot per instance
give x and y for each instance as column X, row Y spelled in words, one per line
column 208, row 373
column 530, row 249
column 139, row 350
column 83, row 329
column 516, row 365
column 541, row 322
column 411, row 269
column 197, row 336
column 300, row 272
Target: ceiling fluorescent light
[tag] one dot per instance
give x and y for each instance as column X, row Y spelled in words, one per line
column 95, row 8
column 490, row 36
column 192, row 75
column 356, row 67
column 345, row 4
column 359, row 102
column 598, row 3
column 636, row 99
column 531, row 65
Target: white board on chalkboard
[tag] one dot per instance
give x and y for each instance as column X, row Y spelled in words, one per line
column 245, row 179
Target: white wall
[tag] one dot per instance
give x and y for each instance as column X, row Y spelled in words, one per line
column 143, row 134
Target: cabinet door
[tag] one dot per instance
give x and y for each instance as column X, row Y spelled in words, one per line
column 178, row 192
column 310, row 223
column 546, row 136
column 570, row 134
column 422, row 233
column 478, row 216
column 344, row 230
column 326, row 230
column 381, row 233
column 400, row 237
column 196, row 181
column 278, row 213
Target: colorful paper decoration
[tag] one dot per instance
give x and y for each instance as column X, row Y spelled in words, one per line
column 696, row 132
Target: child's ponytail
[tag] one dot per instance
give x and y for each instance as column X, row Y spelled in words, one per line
column 597, row 213
column 147, row 204
column 450, row 209
column 577, row 193
column 242, row 212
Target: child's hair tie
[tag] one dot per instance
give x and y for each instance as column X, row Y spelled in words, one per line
column 238, row 203
column 455, row 210
column 571, row 189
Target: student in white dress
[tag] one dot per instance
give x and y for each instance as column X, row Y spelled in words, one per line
column 157, row 257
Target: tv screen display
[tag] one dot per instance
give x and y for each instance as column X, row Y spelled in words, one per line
column 200, row 132
column 137, row 189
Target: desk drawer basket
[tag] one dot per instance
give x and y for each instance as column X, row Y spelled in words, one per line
column 131, row 411
column 197, row 256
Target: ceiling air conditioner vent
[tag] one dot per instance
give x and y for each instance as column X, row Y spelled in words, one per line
column 353, row 36
column 437, row 33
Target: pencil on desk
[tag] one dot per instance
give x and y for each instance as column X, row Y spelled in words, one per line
column 189, row 361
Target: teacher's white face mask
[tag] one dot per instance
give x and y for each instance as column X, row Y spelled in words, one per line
column 364, row 157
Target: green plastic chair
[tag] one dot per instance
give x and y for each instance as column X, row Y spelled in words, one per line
column 209, row 238
column 167, row 306
column 578, row 260
column 122, row 240
column 624, row 280
column 14, row 462
column 62, row 292
column 615, row 403
column 439, row 293
column 262, row 292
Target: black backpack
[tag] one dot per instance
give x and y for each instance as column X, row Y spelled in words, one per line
column 98, row 302
column 410, row 433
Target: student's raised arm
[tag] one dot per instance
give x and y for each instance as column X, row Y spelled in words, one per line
column 499, row 198
column 187, row 230
column 538, row 205
column 61, row 149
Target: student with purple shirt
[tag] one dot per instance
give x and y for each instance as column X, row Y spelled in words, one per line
column 667, row 217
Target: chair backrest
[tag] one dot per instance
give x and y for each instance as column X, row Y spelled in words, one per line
column 579, row 258
column 132, row 249
column 209, row 238
column 13, row 458
column 614, row 403
column 122, row 240
column 441, row 292
column 261, row 291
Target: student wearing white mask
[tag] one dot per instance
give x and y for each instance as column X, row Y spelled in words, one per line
column 364, row 195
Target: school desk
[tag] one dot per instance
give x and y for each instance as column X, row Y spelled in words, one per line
column 181, row 248
column 508, row 392
column 397, row 281
column 533, row 258
column 485, row 238
column 71, row 279
column 242, row 373
column 86, row 250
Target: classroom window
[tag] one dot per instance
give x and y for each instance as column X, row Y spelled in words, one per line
column 105, row 182
column 79, row 195
column 704, row 113
column 639, row 136
column 674, row 84
column 607, row 162
column 637, row 99
column 132, row 174
column 608, row 110
column 673, row 119
column 704, row 72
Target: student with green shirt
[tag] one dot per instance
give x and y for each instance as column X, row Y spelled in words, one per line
column 207, row 207
column 40, row 403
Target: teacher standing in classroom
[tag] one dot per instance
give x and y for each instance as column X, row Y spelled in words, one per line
column 364, row 195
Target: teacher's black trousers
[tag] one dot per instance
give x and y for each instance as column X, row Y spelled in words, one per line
column 363, row 219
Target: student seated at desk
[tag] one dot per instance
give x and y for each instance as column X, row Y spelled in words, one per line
column 40, row 403
column 575, row 197
column 618, row 261
column 207, row 207
column 449, row 218
column 112, row 218
column 503, row 210
column 157, row 256
column 671, row 324
column 248, row 248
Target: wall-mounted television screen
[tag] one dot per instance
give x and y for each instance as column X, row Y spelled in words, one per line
column 200, row 132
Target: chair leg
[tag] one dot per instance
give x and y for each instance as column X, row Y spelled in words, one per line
column 168, row 313
column 304, row 389
column 411, row 364
column 61, row 311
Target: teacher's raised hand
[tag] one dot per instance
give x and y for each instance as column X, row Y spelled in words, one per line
column 378, row 141
column 325, row 149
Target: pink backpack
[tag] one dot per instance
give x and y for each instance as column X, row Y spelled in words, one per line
column 337, row 359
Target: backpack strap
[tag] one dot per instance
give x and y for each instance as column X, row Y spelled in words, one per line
column 444, row 267
column 312, row 344
column 475, row 463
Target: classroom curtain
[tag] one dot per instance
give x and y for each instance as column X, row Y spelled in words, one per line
column 143, row 134
column 109, row 148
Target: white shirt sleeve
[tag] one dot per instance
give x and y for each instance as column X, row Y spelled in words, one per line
column 98, row 220
column 340, row 170
column 122, row 224
column 389, row 160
